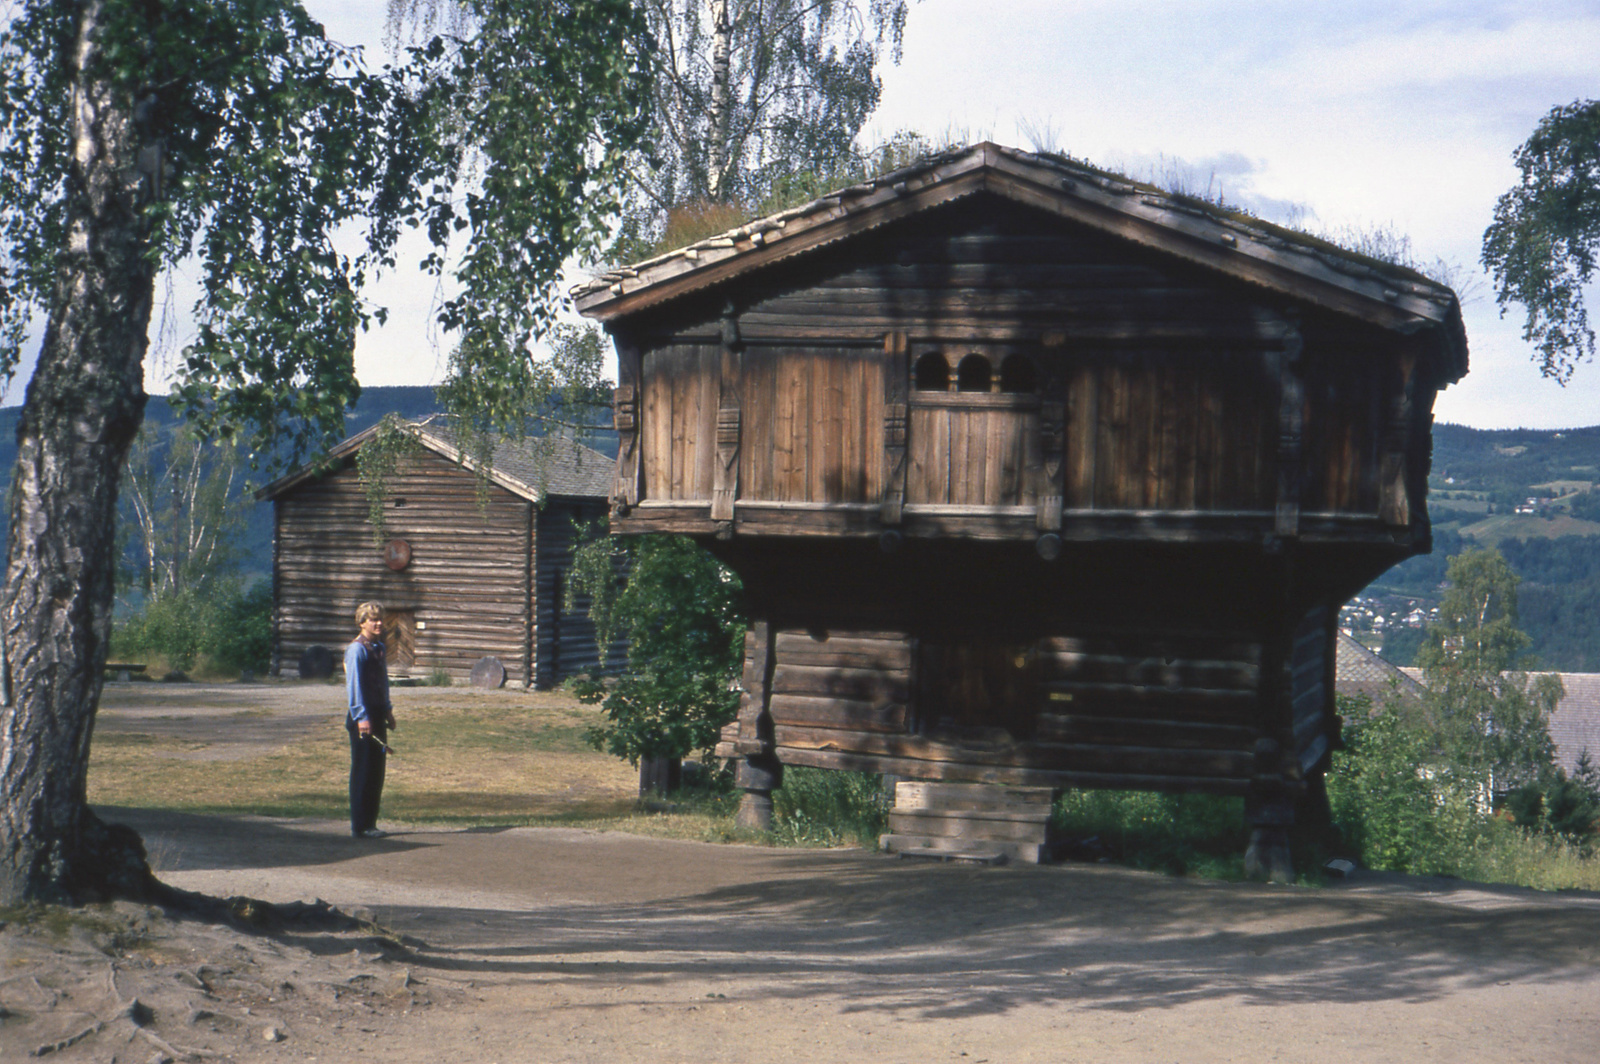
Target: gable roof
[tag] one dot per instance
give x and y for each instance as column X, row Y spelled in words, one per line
column 1294, row 264
column 533, row 468
column 1575, row 724
column 1359, row 671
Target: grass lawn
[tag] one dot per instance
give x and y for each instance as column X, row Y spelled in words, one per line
column 462, row 757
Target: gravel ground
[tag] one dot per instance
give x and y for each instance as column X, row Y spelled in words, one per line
column 531, row 944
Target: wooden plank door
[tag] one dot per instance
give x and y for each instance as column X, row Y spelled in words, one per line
column 400, row 639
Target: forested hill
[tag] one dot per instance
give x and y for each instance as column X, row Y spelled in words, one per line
column 1534, row 495
column 409, row 402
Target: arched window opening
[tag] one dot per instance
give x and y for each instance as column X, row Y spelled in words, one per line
column 973, row 374
column 933, row 373
column 1017, row 374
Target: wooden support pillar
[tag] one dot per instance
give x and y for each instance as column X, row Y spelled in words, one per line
column 758, row 776
column 1269, row 812
column 1268, row 804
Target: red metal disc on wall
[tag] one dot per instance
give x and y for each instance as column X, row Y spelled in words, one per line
column 397, row 555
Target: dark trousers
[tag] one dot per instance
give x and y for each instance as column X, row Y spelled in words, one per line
column 366, row 776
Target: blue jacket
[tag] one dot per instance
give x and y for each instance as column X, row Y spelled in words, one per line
column 366, row 680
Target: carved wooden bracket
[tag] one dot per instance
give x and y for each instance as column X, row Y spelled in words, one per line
column 896, row 418
column 1394, row 500
column 725, row 477
column 625, row 416
column 1291, row 430
column 1053, row 445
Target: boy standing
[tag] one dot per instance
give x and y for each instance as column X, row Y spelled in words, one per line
column 366, row 680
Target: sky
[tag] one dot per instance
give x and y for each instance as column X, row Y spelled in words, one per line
column 1336, row 116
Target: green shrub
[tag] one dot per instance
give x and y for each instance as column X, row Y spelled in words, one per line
column 231, row 629
column 1177, row 833
column 241, row 637
column 1394, row 803
column 818, row 806
column 438, row 676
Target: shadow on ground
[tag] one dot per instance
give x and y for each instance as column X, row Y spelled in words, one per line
column 931, row 941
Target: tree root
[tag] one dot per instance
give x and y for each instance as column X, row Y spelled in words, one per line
column 71, row 1040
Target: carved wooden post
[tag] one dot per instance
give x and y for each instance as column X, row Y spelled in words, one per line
column 1394, row 503
column 725, row 475
column 625, row 416
column 1270, row 814
column 1052, row 444
column 1291, row 428
column 895, row 419
column 1268, row 808
column 760, row 773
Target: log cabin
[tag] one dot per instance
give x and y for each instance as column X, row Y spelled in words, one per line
column 466, row 570
column 1034, row 475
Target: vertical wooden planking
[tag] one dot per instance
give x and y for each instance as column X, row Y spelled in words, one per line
column 784, row 429
column 960, row 445
column 1084, row 428
column 655, row 428
column 871, row 390
column 761, row 370
column 850, row 471
column 997, row 437
column 1106, row 456
column 703, row 441
column 827, row 426
column 682, row 389
column 804, row 423
column 1186, row 432
column 1168, row 415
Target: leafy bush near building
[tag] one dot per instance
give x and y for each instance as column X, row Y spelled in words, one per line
column 220, row 627
column 818, row 806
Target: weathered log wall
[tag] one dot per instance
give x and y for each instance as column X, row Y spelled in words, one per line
column 1169, row 711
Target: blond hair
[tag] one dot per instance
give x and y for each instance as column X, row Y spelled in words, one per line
column 368, row 610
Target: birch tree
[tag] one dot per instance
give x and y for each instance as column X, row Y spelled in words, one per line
column 136, row 133
column 749, row 94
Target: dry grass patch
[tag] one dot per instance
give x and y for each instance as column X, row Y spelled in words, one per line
column 470, row 757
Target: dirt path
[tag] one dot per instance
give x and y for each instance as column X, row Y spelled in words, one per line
column 526, row 944
column 558, row 945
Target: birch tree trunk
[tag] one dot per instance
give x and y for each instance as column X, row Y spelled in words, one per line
column 83, row 407
column 720, row 106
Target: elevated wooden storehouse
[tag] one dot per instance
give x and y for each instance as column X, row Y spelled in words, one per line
column 463, row 573
column 1034, row 475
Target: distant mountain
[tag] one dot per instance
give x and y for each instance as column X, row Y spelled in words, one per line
column 1532, row 493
